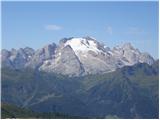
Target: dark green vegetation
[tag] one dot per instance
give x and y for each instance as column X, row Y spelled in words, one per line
column 12, row 111
column 129, row 92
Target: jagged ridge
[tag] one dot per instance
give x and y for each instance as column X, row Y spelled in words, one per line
column 75, row 57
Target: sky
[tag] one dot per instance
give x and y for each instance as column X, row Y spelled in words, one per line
column 35, row 24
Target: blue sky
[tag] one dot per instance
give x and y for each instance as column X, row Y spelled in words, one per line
column 36, row 24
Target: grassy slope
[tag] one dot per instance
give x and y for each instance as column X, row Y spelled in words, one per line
column 12, row 111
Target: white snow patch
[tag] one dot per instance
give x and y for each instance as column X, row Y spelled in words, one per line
column 83, row 45
column 59, row 53
column 84, row 55
column 46, row 62
column 110, row 52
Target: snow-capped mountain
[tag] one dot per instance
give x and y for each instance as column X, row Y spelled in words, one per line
column 75, row 57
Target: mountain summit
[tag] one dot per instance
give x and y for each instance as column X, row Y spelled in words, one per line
column 75, row 57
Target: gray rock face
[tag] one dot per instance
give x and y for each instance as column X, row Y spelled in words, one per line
column 128, row 55
column 18, row 58
column 75, row 57
column 5, row 54
column 49, row 50
column 68, row 63
column 45, row 53
column 14, row 58
column 68, row 59
column 65, row 62
column 29, row 51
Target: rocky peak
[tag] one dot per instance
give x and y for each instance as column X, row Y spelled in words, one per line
column 5, row 53
column 75, row 56
column 127, row 46
column 64, row 40
column 84, row 44
column 146, row 58
column 29, row 51
column 49, row 50
column 89, row 38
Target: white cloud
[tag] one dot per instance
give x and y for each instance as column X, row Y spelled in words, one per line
column 109, row 30
column 53, row 27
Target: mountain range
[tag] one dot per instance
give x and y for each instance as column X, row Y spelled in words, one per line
column 75, row 57
column 82, row 77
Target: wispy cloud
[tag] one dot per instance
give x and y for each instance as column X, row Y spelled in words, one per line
column 109, row 30
column 53, row 27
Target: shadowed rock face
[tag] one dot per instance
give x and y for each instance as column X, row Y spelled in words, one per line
column 75, row 57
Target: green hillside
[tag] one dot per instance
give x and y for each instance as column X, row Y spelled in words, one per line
column 129, row 92
column 12, row 111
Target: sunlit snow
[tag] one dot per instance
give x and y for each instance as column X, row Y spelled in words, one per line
column 82, row 45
